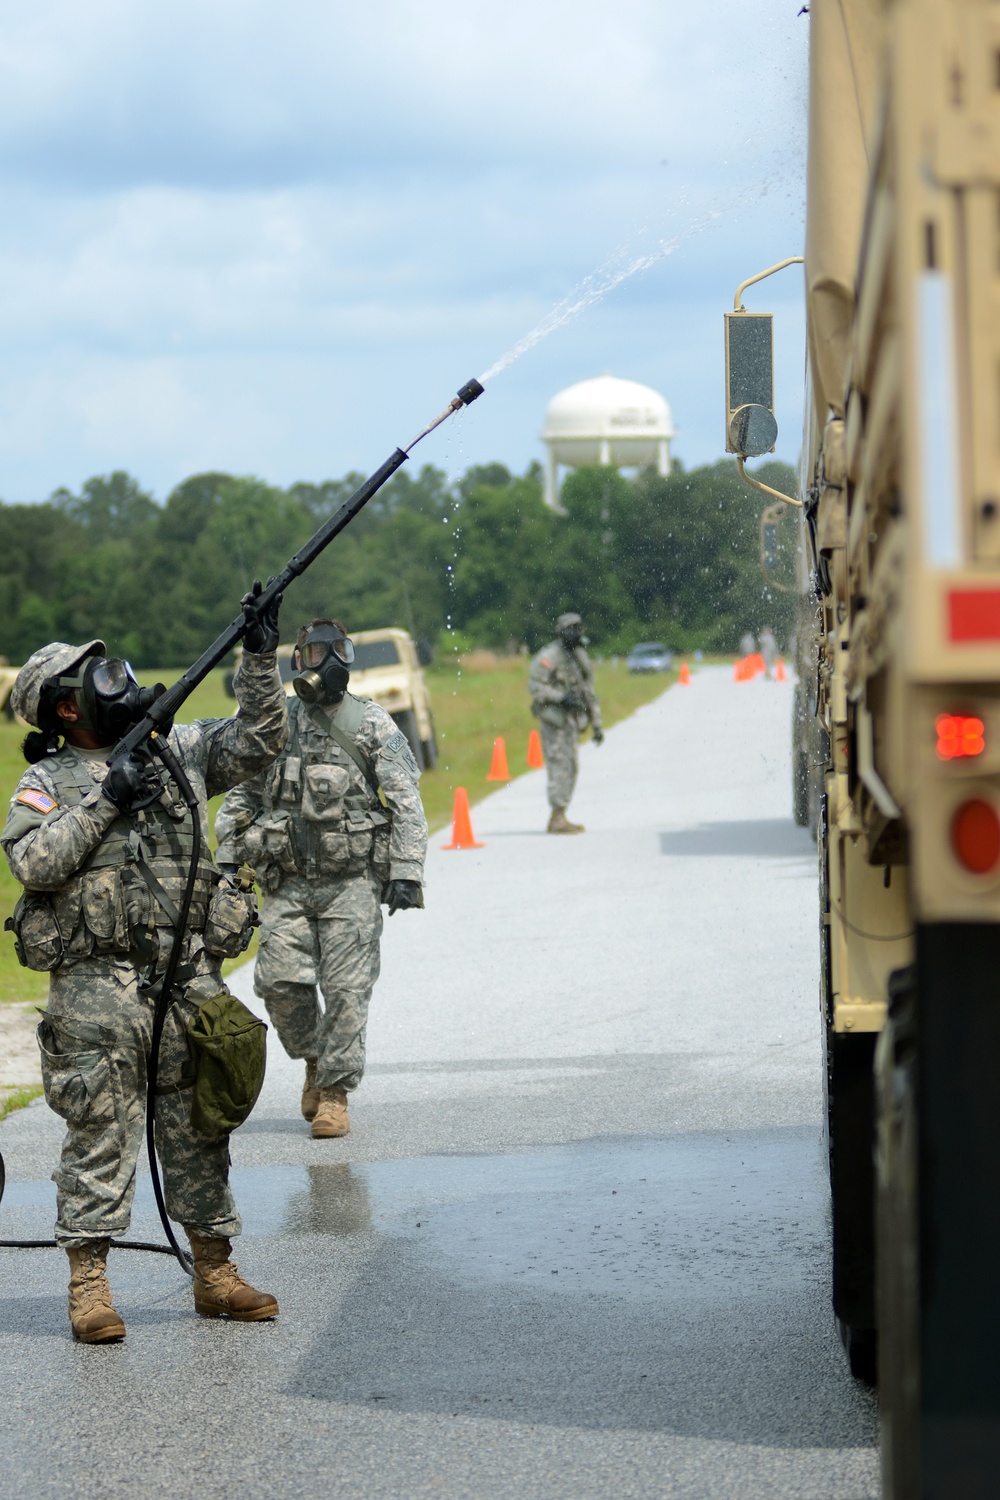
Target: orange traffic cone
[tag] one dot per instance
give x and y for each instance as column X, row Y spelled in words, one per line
column 685, row 674
column 740, row 670
column 779, row 671
column 498, row 770
column 756, row 665
column 536, row 759
column 462, row 836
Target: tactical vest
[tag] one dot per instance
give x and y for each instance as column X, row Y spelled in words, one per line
column 568, row 671
column 128, row 886
column 320, row 815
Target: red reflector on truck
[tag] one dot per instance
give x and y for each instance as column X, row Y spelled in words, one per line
column 974, row 614
column 959, row 735
column 975, row 836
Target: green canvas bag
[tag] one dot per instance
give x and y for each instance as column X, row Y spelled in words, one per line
column 231, row 1047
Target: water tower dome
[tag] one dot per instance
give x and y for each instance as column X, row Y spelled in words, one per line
column 619, row 423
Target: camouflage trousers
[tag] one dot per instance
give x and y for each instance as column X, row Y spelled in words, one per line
column 94, row 1041
column 321, row 937
column 560, row 747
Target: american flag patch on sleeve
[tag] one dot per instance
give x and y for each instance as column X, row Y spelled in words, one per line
column 40, row 801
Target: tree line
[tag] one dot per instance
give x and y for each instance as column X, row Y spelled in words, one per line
column 478, row 562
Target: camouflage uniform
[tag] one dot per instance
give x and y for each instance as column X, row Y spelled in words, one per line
column 555, row 672
column 323, row 846
column 64, row 838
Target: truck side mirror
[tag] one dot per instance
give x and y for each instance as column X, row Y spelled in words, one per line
column 750, row 426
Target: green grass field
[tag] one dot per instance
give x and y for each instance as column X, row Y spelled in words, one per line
column 475, row 700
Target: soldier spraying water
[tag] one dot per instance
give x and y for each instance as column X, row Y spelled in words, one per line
column 103, row 870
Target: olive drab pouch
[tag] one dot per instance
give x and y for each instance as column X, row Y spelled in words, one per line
column 324, row 788
column 232, row 915
column 230, row 1044
column 38, row 938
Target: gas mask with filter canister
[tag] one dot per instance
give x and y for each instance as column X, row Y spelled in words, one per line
column 108, row 697
column 323, row 661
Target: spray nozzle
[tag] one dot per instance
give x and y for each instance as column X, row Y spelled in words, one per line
column 470, row 391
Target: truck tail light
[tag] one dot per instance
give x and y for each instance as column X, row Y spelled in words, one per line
column 975, row 836
column 959, row 736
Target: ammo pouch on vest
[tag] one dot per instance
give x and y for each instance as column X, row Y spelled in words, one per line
column 38, row 938
column 551, row 713
column 269, row 842
column 230, row 1045
column 232, row 916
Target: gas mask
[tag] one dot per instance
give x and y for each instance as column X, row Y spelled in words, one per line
column 108, row 697
column 572, row 636
column 323, row 661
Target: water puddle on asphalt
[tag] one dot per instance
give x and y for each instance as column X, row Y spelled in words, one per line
column 684, row 1216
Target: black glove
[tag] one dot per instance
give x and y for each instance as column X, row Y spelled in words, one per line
column 598, row 736
column 573, row 699
column 399, row 895
column 131, row 783
column 262, row 623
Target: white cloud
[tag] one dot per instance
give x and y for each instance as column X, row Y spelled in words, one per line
column 246, row 236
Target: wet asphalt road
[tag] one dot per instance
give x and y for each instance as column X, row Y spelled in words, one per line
column 576, row 1242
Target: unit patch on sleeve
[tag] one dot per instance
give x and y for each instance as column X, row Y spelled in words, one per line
column 40, row 801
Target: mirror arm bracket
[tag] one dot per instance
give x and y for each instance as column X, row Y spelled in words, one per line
column 793, row 260
column 764, row 488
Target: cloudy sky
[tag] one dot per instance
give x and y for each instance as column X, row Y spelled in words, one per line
column 275, row 238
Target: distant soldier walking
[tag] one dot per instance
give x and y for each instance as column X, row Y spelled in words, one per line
column 563, row 700
column 328, row 851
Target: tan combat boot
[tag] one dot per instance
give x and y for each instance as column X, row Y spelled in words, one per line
column 310, row 1090
column 331, row 1116
column 219, row 1289
column 91, row 1313
column 559, row 823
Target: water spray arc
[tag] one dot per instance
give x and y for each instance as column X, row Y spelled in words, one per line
column 148, row 739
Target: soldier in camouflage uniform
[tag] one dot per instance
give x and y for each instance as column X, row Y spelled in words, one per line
column 328, row 850
column 563, row 700
column 98, row 878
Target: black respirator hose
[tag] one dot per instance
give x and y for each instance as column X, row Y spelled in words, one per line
column 163, row 1003
column 165, row 997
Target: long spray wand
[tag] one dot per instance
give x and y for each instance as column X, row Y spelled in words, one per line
column 162, row 711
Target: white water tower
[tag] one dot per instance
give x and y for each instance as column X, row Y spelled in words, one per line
column 618, row 423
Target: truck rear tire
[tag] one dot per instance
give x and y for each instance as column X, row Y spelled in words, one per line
column 407, row 723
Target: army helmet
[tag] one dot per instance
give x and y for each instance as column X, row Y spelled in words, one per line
column 567, row 621
column 54, row 660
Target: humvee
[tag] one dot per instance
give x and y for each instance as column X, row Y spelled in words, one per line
column 8, row 676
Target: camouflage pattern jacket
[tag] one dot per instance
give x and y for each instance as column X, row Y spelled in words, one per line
column 555, row 672
column 317, row 812
column 88, row 866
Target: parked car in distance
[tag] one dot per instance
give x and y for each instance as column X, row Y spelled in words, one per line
column 388, row 666
column 650, row 656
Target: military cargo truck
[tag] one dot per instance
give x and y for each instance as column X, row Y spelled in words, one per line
column 900, row 494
